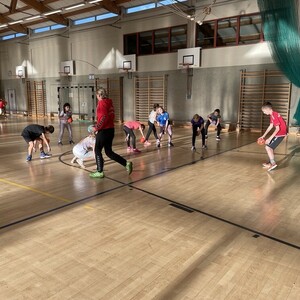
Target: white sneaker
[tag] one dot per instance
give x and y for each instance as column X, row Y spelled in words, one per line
column 193, row 148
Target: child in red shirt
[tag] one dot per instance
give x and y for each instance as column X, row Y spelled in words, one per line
column 276, row 137
column 128, row 127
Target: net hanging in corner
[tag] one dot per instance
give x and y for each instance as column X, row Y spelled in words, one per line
column 281, row 31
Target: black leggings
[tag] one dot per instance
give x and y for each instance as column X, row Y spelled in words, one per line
column 104, row 139
column 131, row 134
column 151, row 128
column 195, row 129
column 219, row 127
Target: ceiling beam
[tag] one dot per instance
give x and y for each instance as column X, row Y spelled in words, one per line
column 111, row 6
column 16, row 27
column 13, row 6
column 41, row 8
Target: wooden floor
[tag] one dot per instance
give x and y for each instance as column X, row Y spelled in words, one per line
column 205, row 225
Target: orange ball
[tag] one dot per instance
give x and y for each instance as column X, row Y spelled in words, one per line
column 142, row 140
column 260, row 141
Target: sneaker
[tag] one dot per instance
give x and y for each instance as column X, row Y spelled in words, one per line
column 73, row 161
column 206, row 136
column 44, row 155
column 218, row 138
column 129, row 149
column 146, row 143
column 193, row 148
column 29, row 158
column 272, row 167
column 158, row 145
column 80, row 162
column 71, row 142
column 136, row 151
column 204, row 147
column 266, row 165
column 59, row 143
column 129, row 167
column 97, row 175
column 170, row 144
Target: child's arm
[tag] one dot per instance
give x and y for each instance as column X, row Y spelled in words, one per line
column 45, row 141
column 142, row 133
column 277, row 128
column 218, row 121
column 267, row 131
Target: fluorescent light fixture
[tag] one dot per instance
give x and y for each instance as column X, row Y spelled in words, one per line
column 3, row 25
column 52, row 12
column 15, row 22
column 95, row 1
column 75, row 6
column 33, row 18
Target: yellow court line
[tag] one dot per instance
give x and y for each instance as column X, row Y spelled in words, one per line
column 40, row 192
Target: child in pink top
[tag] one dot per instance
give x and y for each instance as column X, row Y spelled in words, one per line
column 129, row 128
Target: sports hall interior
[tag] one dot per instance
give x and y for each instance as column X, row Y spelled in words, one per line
column 204, row 224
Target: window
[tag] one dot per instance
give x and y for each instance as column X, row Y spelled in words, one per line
column 145, row 42
column 161, row 40
column 130, row 44
column 105, row 16
column 140, row 8
column 58, row 26
column 206, row 35
column 41, row 29
column 226, row 33
column 8, row 37
column 178, row 37
column 250, row 29
column 84, row 21
column 20, row 34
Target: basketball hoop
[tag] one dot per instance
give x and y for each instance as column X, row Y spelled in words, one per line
column 184, row 67
column 126, row 70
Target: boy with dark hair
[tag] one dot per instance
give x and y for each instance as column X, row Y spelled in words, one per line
column 35, row 133
column 276, row 137
column 198, row 128
column 215, row 119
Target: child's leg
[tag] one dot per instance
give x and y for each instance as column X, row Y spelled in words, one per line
column 194, row 135
column 206, row 126
column 30, row 148
column 61, row 131
column 126, row 130
column 149, row 130
column 203, row 136
column 169, row 129
column 154, row 132
column 132, row 135
column 219, row 127
column 69, row 127
column 270, row 153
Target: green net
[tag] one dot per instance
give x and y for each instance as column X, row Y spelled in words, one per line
column 281, row 30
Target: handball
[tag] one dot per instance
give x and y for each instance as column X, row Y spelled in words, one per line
column 198, row 132
column 142, row 140
column 260, row 141
column 91, row 129
column 70, row 120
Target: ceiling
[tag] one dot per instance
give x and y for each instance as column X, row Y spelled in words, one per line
column 18, row 16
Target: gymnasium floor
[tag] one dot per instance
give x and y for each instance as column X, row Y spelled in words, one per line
column 210, row 224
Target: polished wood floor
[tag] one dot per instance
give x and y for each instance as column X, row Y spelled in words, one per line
column 210, row 224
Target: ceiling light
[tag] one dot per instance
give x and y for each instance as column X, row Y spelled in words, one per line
column 33, row 18
column 74, row 6
column 95, row 1
column 52, row 12
column 15, row 22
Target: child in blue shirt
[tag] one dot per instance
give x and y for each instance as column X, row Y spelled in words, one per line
column 215, row 119
column 165, row 125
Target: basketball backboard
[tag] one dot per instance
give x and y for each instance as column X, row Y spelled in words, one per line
column 127, row 63
column 189, row 58
column 20, row 72
column 67, row 67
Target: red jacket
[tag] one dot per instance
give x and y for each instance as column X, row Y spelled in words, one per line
column 105, row 114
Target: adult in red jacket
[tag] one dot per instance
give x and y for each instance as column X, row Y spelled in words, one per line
column 105, row 132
